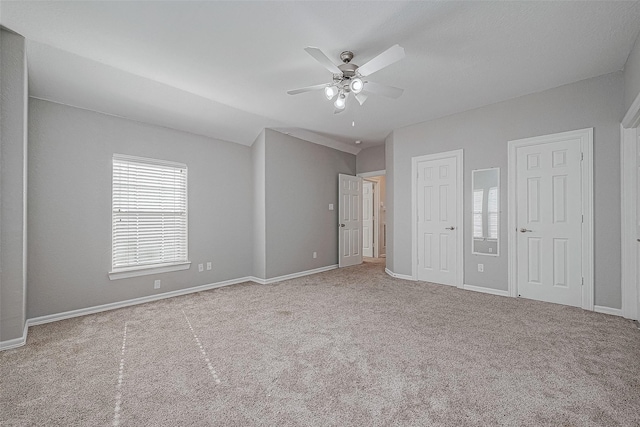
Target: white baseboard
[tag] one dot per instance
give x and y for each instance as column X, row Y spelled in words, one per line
column 499, row 292
column 292, row 275
column 398, row 276
column 608, row 310
column 16, row 342
column 20, row 341
column 120, row 304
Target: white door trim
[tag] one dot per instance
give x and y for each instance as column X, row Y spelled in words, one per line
column 629, row 133
column 376, row 219
column 372, row 174
column 377, row 208
column 586, row 143
column 458, row 154
column 377, row 212
column 383, row 172
column 379, row 231
column 374, row 214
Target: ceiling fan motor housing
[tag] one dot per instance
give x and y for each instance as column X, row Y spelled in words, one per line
column 348, row 70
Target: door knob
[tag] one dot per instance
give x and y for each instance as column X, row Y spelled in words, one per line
column 524, row 230
column 342, row 225
column 450, row 228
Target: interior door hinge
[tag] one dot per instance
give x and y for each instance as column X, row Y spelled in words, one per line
column 581, row 156
column 583, row 218
column 582, row 283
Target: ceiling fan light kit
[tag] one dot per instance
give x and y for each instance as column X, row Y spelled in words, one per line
column 348, row 77
column 356, row 85
column 330, row 92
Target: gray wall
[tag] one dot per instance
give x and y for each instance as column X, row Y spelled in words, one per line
column 483, row 134
column 13, row 185
column 70, row 155
column 632, row 75
column 301, row 182
column 371, row 159
column 258, row 152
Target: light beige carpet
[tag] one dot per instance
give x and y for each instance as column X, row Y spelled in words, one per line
column 349, row 347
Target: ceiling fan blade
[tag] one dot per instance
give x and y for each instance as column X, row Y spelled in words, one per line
column 384, row 90
column 361, row 97
column 307, row 89
column 338, row 111
column 323, row 59
column 394, row 54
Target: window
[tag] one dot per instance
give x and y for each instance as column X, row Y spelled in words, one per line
column 149, row 217
column 478, row 196
column 492, row 209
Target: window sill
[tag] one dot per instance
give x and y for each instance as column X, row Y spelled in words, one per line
column 144, row 271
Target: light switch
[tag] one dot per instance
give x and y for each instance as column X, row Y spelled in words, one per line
column 330, row 206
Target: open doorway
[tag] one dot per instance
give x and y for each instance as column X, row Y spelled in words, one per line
column 374, row 242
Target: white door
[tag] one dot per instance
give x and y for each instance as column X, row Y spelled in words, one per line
column 549, row 221
column 437, row 220
column 350, row 225
column 368, row 223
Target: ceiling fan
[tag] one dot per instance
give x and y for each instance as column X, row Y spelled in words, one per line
column 351, row 78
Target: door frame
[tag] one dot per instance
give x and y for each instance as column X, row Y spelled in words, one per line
column 629, row 134
column 586, row 167
column 376, row 219
column 378, row 209
column 458, row 155
column 374, row 213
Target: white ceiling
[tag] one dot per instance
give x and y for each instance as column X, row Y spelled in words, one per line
column 222, row 69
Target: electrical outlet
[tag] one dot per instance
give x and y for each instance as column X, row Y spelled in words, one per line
column 481, row 268
column 315, row 254
column 209, row 265
column 156, row 284
column 200, row 268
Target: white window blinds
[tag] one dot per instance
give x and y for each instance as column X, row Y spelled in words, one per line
column 492, row 208
column 149, row 213
column 478, row 196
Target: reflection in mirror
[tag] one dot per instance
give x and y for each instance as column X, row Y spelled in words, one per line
column 486, row 210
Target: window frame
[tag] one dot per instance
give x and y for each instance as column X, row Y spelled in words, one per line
column 146, row 269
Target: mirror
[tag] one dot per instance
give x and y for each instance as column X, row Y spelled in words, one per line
column 486, row 211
